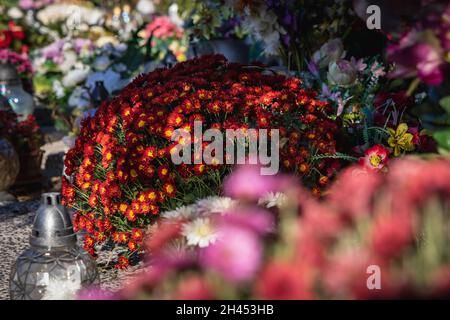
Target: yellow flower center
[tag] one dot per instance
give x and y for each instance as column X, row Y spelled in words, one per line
column 375, row 160
column 203, row 230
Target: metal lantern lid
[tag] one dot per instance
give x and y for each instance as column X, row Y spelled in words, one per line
column 8, row 74
column 52, row 227
column 99, row 94
column 170, row 59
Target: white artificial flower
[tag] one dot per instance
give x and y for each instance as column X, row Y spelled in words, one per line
column 58, row 89
column 39, row 64
column 110, row 78
column 331, row 51
column 74, row 15
column 272, row 43
column 105, row 40
column 145, row 7
column 74, row 77
column 174, row 16
column 70, row 59
column 86, row 51
column 213, row 205
column 180, row 213
column 101, row 63
column 67, row 46
column 342, row 73
column 79, row 98
column 62, row 289
column 200, row 232
column 272, row 199
column 15, row 13
column 263, row 24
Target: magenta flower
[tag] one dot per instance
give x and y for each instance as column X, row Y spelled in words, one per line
column 256, row 220
column 79, row 44
column 422, row 51
column 20, row 61
column 246, row 182
column 95, row 293
column 236, row 256
column 33, row 4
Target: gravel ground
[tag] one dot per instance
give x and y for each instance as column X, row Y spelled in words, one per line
column 15, row 226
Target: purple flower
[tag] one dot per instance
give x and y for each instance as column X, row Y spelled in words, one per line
column 313, row 68
column 81, row 43
column 287, row 19
column 32, row 5
column 54, row 51
column 286, row 39
column 236, row 256
column 26, row 4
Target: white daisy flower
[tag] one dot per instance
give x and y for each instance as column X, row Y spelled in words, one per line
column 58, row 89
column 180, row 212
column 272, row 199
column 211, row 205
column 200, row 232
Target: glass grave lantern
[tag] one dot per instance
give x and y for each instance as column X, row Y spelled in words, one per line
column 54, row 267
column 11, row 88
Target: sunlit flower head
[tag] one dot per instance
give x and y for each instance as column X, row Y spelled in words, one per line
column 200, row 232
column 211, row 205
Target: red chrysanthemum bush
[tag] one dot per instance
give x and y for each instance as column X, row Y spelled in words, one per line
column 121, row 173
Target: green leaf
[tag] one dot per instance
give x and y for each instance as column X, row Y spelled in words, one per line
column 445, row 103
column 443, row 139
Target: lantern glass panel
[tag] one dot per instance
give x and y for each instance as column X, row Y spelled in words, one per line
column 19, row 100
column 51, row 274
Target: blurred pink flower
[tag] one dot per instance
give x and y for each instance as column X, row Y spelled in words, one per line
column 161, row 27
column 391, row 234
column 414, row 181
column 422, row 51
column 194, row 288
column 95, row 293
column 441, row 282
column 246, row 182
column 419, row 59
column 283, row 280
column 34, row 4
column 256, row 220
column 21, row 61
column 342, row 269
column 236, row 256
column 358, row 183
